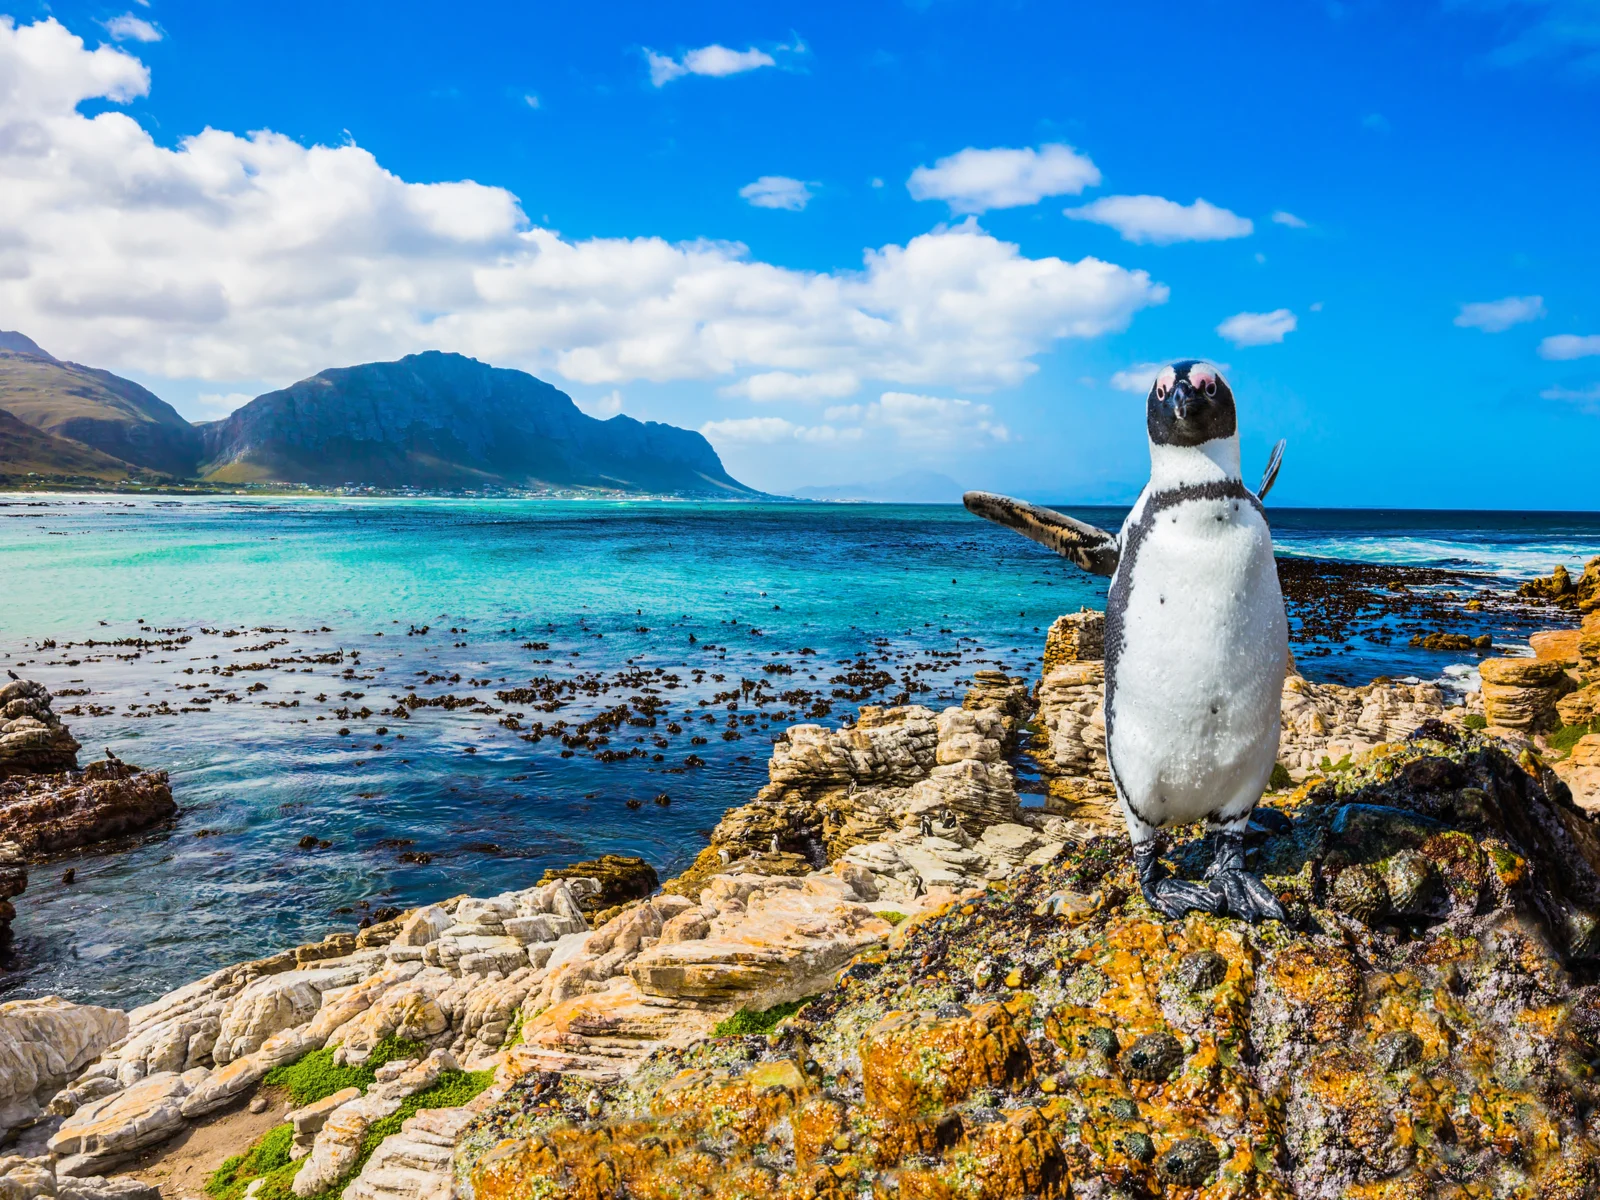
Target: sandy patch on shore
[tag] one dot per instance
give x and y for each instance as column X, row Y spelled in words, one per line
column 181, row 1167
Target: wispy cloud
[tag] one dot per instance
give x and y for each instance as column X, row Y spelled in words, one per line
column 1258, row 329
column 213, row 406
column 933, row 421
column 771, row 430
column 1497, row 316
column 974, row 181
column 905, row 418
column 129, row 28
column 1564, row 347
column 1587, row 398
column 1157, row 220
column 531, row 100
column 1562, row 32
column 714, row 60
column 777, row 191
column 1288, row 218
column 1136, row 378
column 603, row 407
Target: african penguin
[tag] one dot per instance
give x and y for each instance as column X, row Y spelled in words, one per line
column 1196, row 639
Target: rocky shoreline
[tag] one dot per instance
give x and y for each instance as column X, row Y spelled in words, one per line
column 993, row 1010
column 49, row 806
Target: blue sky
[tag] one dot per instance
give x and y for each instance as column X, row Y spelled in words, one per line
column 712, row 215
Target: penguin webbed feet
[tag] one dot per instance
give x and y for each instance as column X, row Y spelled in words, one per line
column 1241, row 893
column 1170, row 897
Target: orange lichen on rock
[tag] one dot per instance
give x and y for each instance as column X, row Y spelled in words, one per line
column 1443, row 1044
column 914, row 1067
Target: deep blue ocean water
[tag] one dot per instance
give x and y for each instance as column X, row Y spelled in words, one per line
column 663, row 607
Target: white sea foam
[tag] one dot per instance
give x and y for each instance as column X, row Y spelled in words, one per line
column 1516, row 560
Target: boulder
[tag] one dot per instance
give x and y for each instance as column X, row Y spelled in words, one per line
column 337, row 1145
column 32, row 738
column 1557, row 645
column 98, row 1187
column 1580, row 771
column 1075, row 637
column 106, row 1133
column 51, row 813
column 1560, row 589
column 771, row 940
column 1520, row 694
column 414, row 1164
column 621, row 879
column 423, row 926
column 45, row 1043
column 309, row 1119
column 276, row 1003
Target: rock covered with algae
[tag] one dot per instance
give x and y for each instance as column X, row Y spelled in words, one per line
column 1426, row 1026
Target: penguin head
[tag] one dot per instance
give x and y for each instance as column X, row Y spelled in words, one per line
column 1190, row 403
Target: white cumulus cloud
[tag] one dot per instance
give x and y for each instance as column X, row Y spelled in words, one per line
column 771, row 386
column 710, row 60
column 1497, row 316
column 1258, row 329
column 1158, row 220
column 777, row 191
column 974, row 181
column 1564, row 347
column 232, row 257
column 213, row 406
column 129, row 28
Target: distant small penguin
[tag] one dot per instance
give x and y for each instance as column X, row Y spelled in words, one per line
column 1196, row 639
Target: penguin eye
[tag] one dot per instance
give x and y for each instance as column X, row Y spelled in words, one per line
column 1161, row 391
column 1211, row 387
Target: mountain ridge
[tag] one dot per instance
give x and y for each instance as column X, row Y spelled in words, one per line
column 443, row 420
column 432, row 421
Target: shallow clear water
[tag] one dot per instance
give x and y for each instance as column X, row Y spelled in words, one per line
column 622, row 599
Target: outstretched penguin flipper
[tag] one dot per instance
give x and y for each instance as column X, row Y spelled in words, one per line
column 1091, row 548
column 1270, row 475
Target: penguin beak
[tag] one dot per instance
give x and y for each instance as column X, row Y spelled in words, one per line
column 1185, row 401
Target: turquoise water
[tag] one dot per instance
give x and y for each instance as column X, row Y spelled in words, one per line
column 596, row 605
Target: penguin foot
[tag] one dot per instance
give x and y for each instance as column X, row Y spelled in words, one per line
column 1241, row 894
column 1170, row 897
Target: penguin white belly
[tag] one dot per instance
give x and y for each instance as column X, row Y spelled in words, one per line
column 1195, row 688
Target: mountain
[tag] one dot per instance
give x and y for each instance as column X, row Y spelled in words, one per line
column 431, row 420
column 909, row 487
column 25, row 450
column 95, row 408
column 437, row 420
